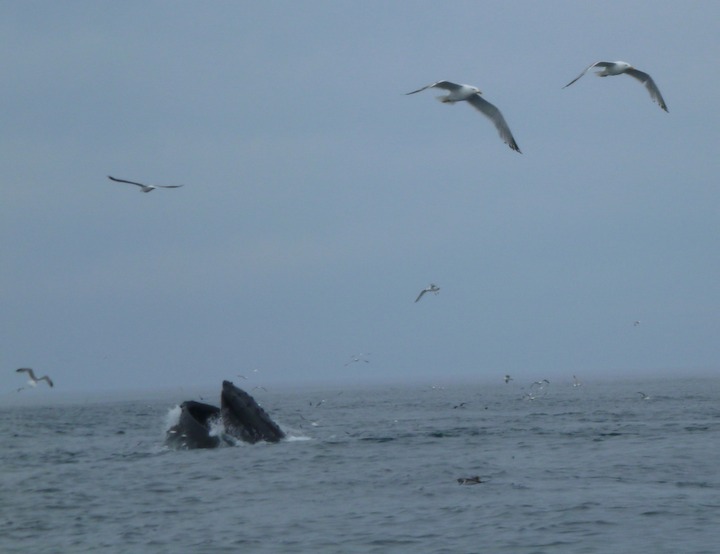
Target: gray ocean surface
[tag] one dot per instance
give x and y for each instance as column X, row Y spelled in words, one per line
column 593, row 468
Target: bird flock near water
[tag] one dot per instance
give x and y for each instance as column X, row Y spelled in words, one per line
column 473, row 96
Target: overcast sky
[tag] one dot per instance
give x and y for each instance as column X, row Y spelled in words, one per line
column 319, row 199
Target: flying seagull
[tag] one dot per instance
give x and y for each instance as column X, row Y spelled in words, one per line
column 34, row 380
column 618, row 68
column 432, row 288
column 145, row 188
column 472, row 94
column 357, row 358
column 508, row 378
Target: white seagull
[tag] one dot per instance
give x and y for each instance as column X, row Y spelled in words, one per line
column 145, row 188
column 34, row 380
column 472, row 94
column 432, row 288
column 618, row 68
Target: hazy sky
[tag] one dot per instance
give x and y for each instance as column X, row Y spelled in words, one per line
column 319, row 199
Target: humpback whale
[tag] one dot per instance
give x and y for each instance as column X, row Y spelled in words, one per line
column 240, row 414
column 194, row 426
column 244, row 419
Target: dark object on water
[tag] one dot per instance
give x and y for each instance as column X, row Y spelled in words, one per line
column 242, row 418
column 470, row 480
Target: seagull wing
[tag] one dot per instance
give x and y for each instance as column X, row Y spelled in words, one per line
column 650, row 85
column 168, row 186
column 421, row 294
column 497, row 118
column 588, row 68
column 447, row 85
column 27, row 370
column 46, row 378
column 124, row 181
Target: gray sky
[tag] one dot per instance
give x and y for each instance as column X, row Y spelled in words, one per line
column 319, row 199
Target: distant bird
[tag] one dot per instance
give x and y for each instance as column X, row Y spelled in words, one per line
column 260, row 387
column 636, row 323
column 508, row 378
column 576, row 382
column 432, row 288
column 461, row 405
column 618, row 68
column 540, row 384
column 470, row 480
column 145, row 188
column 471, row 94
column 643, row 396
column 357, row 358
column 34, row 380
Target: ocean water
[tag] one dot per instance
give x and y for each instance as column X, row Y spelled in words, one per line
column 588, row 469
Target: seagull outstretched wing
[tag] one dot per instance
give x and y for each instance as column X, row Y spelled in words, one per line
column 650, row 85
column 488, row 109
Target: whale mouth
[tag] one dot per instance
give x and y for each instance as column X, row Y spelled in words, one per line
column 193, row 429
column 244, row 418
column 239, row 416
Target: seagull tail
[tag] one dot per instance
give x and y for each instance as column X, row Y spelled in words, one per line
column 445, row 99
